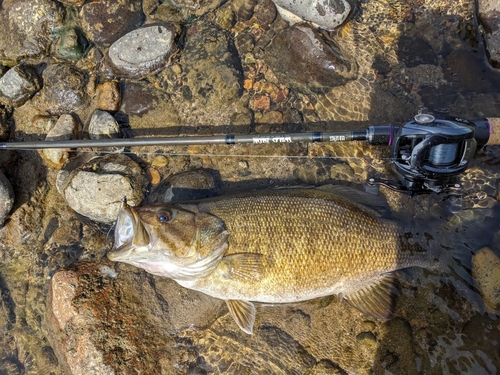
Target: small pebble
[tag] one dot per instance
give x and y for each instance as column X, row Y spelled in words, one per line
column 154, row 176
column 108, row 96
column 103, row 125
column 261, row 102
column 243, row 164
column 159, row 161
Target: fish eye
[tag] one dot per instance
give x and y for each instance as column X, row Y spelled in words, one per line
column 164, row 216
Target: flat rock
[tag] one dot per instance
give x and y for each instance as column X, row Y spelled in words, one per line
column 103, row 125
column 325, row 14
column 63, row 89
column 6, row 197
column 302, row 58
column 486, row 273
column 95, row 189
column 19, row 84
column 107, row 20
column 142, row 51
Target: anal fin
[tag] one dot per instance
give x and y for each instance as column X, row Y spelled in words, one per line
column 377, row 299
column 243, row 313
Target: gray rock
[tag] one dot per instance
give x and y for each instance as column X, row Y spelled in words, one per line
column 103, row 125
column 325, row 14
column 95, row 189
column 63, row 89
column 142, row 51
column 19, row 84
column 27, row 26
column 107, row 20
column 64, row 129
column 303, row 58
column 489, row 15
column 6, row 197
column 197, row 184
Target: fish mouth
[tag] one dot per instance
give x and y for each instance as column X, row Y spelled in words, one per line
column 129, row 233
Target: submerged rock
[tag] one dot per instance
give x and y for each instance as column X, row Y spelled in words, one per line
column 6, row 197
column 95, row 189
column 64, row 129
column 108, row 96
column 26, row 27
column 303, row 58
column 489, row 15
column 71, row 44
column 103, row 125
column 142, row 51
column 63, row 90
column 19, row 84
column 5, row 114
column 327, row 14
column 486, row 273
column 108, row 20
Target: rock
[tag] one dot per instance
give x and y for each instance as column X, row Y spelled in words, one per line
column 142, row 51
column 211, row 67
column 73, row 2
column 19, row 84
column 5, row 114
column 160, row 161
column 197, row 184
column 486, row 273
column 325, row 14
column 139, row 98
column 195, row 8
column 6, row 197
column 70, row 44
column 489, row 16
column 103, row 125
column 27, row 26
column 64, row 129
column 108, row 96
column 302, row 58
column 63, row 89
column 108, row 20
column 95, row 189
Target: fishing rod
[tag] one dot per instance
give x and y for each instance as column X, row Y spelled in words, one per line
column 426, row 153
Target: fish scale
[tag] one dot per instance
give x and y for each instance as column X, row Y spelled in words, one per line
column 275, row 246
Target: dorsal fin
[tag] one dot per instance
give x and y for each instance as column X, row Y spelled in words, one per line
column 243, row 313
column 377, row 299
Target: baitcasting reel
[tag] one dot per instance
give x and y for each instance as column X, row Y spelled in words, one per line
column 428, row 153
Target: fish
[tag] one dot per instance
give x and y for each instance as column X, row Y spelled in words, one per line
column 276, row 246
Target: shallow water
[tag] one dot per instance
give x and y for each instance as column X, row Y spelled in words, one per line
column 412, row 56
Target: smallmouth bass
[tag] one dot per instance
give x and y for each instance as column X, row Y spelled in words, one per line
column 275, row 246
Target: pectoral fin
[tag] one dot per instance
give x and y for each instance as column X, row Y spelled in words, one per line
column 377, row 299
column 243, row 313
column 243, row 266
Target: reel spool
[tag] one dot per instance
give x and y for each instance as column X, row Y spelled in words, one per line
column 428, row 152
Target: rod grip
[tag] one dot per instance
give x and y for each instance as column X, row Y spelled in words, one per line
column 494, row 138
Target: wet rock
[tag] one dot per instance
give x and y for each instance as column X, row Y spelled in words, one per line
column 195, row 7
column 95, row 189
column 189, row 185
column 486, row 273
column 489, row 15
column 303, row 58
column 414, row 51
column 103, row 125
column 142, row 51
column 65, row 129
column 325, row 14
column 27, row 26
column 160, row 161
column 108, row 96
column 138, row 98
column 5, row 114
column 73, row 2
column 108, row 20
column 19, row 84
column 211, row 66
column 63, row 90
column 70, row 43
column 6, row 197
